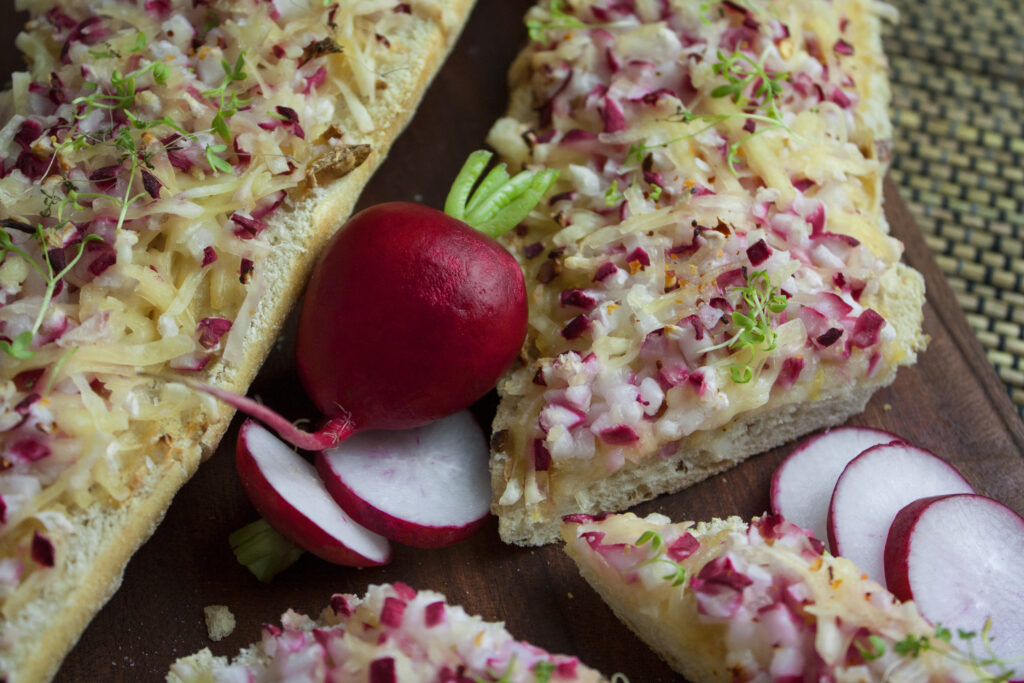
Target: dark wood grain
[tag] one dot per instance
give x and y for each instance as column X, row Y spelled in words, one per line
column 951, row 402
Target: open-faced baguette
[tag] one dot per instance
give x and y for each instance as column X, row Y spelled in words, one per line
column 93, row 453
column 727, row 601
column 393, row 633
column 714, row 276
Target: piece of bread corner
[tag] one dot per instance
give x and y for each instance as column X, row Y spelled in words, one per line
column 741, row 602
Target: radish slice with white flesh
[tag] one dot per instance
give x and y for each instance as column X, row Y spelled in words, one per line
column 873, row 488
column 288, row 493
column 959, row 559
column 426, row 487
column 802, row 484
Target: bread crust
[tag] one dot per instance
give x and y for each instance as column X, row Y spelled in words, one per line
column 105, row 538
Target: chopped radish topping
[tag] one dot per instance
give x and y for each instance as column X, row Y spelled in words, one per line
column 42, row 550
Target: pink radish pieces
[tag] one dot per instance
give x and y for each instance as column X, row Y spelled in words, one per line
column 426, row 487
column 873, row 488
column 959, row 558
column 802, row 485
column 288, row 493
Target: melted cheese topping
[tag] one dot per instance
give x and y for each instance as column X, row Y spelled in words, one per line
column 699, row 144
column 143, row 156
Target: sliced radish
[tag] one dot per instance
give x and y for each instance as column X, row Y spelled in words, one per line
column 959, row 558
column 873, row 488
column 802, row 485
column 426, row 487
column 288, row 493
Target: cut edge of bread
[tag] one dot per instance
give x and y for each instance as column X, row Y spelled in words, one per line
column 105, row 537
column 706, row 453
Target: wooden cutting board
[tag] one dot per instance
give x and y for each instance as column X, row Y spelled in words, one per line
column 951, row 402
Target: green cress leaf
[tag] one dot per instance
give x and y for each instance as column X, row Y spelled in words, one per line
column 753, row 329
column 612, row 196
column 875, row 651
column 217, row 163
column 560, row 20
column 542, row 671
column 19, row 347
column 677, row 574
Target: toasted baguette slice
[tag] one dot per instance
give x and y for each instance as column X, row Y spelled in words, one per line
column 255, row 127
column 714, row 276
column 724, row 601
column 393, row 634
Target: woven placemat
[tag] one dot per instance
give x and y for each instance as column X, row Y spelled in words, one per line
column 957, row 71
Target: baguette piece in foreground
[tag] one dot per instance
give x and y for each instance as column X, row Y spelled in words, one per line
column 393, row 634
column 726, row 601
column 171, row 170
column 714, row 275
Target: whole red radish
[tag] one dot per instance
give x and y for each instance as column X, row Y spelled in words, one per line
column 412, row 314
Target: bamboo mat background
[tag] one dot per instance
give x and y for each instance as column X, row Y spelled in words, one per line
column 957, row 71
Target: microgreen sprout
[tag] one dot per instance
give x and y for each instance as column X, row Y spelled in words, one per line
column 124, row 87
column 612, row 196
column 560, row 20
column 227, row 104
column 677, row 574
column 65, row 357
column 21, row 346
column 754, row 328
column 748, row 85
column 995, row 670
column 506, row 677
column 542, row 671
column 876, row 650
column 216, row 162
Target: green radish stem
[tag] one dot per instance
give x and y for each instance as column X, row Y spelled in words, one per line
column 497, row 177
column 262, row 550
column 499, row 202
